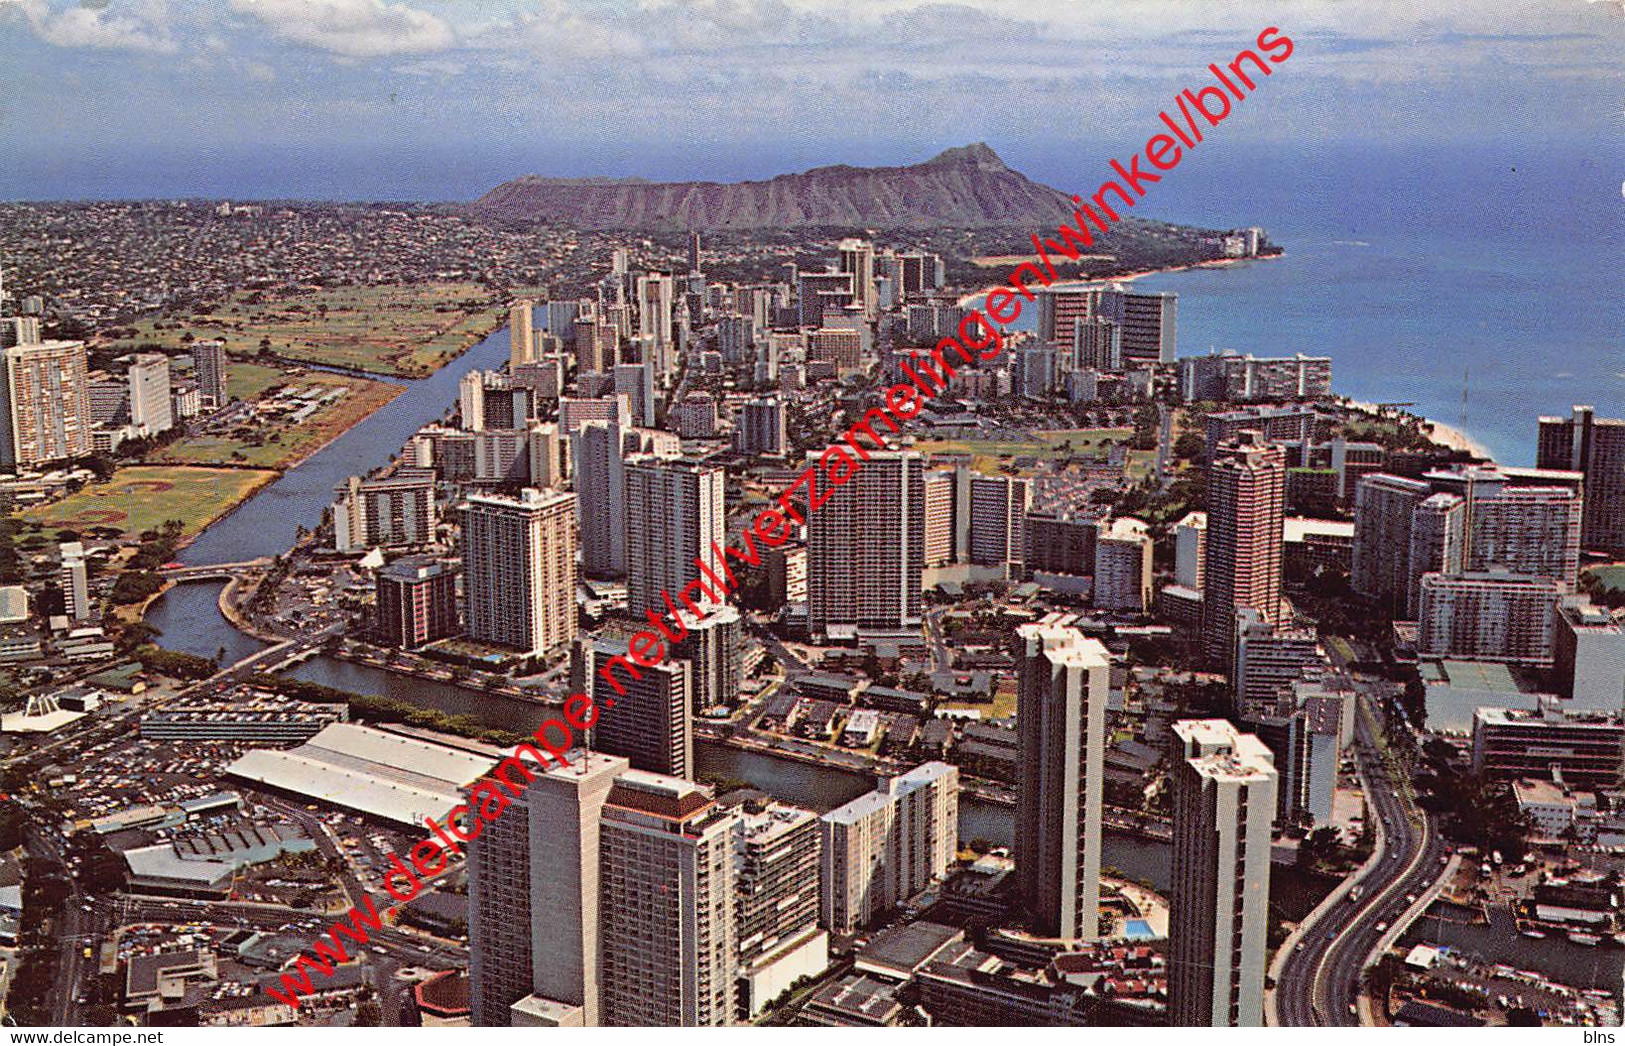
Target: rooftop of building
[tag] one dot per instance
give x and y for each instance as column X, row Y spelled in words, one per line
column 547, row 1011
column 529, row 498
column 414, row 568
column 860, row 998
column 580, row 763
column 1064, row 644
column 1548, row 714
column 445, row 994
column 385, row 774
column 1126, row 528
column 1583, row 615
column 660, row 795
column 1323, row 713
column 773, row 821
column 901, row 951
column 1299, row 528
column 1542, row 791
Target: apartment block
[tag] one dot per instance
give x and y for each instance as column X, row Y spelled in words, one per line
column 1224, row 786
column 886, row 846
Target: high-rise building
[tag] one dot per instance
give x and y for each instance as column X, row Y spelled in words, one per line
column 519, row 570
column 1190, row 547
column 1269, row 661
column 786, row 574
column 697, row 416
column 1274, row 424
column 209, row 360
column 887, row 845
column 1249, row 379
column 652, row 722
column 545, row 449
column 1097, row 344
column 655, row 295
column 598, row 473
column 997, row 513
column 674, row 522
column 714, row 646
column 636, row 381
column 534, row 895
column 1064, row 680
column 866, row 548
column 416, row 603
column 1147, row 321
column 385, row 511
column 491, row 400
column 559, row 319
column 19, row 330
column 1384, row 510
column 74, row 577
column 544, row 378
column 778, row 898
column 1438, row 543
column 1526, row 530
column 736, row 338
column 1489, row 616
column 1590, row 656
column 1224, row 785
column 47, row 403
column 1594, row 446
column 1242, row 563
column 667, row 883
column 1123, row 566
column 1057, row 545
column 811, row 288
column 940, row 489
column 762, row 429
column 858, row 258
column 841, row 346
column 521, row 337
column 1586, row 748
column 597, row 345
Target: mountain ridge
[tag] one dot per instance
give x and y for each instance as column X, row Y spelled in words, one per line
column 967, row 185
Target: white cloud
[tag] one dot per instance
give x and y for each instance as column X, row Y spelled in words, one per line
column 352, row 28
column 133, row 27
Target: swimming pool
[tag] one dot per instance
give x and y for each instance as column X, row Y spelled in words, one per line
column 1138, row 930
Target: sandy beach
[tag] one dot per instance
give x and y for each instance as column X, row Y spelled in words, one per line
column 1130, row 277
column 1445, row 435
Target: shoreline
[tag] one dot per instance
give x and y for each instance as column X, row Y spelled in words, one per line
column 1439, row 432
column 1129, row 277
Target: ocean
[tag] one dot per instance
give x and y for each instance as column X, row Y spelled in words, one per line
column 1425, row 276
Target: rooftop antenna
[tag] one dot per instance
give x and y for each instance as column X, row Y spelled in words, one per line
column 1461, row 422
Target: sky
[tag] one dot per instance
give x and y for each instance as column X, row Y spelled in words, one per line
column 371, row 99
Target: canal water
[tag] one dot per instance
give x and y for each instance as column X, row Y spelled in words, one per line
column 266, row 524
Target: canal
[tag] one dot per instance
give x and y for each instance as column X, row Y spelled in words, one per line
column 266, row 524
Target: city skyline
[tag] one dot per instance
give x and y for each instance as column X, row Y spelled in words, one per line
column 926, row 589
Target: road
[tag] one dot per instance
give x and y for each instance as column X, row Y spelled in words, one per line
column 1320, row 980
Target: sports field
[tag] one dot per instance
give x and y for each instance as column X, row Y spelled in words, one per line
column 143, row 496
column 403, row 330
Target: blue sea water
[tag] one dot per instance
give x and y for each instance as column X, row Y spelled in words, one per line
column 1418, row 273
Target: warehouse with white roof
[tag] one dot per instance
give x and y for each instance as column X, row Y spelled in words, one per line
column 373, row 772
